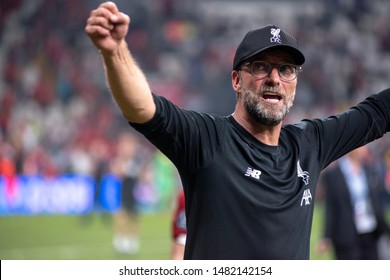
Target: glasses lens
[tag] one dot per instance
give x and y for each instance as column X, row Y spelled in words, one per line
column 260, row 69
column 288, row 72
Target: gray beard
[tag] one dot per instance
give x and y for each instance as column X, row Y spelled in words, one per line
column 264, row 113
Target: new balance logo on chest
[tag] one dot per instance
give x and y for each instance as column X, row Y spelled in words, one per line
column 254, row 173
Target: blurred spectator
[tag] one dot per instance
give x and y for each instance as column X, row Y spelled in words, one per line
column 100, row 151
column 7, row 169
column 145, row 191
column 126, row 165
column 179, row 228
column 354, row 218
column 385, row 168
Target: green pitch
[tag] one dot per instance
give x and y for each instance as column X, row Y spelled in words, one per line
column 54, row 237
column 78, row 238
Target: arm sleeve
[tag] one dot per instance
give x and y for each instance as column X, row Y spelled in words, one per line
column 189, row 139
column 361, row 124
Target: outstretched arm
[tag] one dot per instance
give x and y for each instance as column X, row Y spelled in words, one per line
column 107, row 28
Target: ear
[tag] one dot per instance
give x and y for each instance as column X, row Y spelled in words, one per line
column 236, row 81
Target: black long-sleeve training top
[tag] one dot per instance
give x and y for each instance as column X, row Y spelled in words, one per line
column 248, row 200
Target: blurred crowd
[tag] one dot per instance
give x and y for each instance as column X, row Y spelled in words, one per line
column 56, row 113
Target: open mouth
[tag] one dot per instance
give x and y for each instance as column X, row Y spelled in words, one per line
column 271, row 98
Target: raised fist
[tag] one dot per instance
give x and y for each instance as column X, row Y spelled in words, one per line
column 107, row 27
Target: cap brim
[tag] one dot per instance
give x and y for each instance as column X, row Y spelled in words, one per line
column 298, row 56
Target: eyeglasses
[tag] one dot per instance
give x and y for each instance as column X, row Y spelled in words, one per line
column 261, row 69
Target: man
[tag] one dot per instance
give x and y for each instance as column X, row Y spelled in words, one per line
column 126, row 165
column 179, row 228
column 354, row 219
column 249, row 182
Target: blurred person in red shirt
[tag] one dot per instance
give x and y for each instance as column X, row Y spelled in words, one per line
column 179, row 228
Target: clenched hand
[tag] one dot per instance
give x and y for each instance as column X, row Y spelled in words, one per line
column 107, row 27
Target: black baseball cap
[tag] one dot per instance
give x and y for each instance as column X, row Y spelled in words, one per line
column 265, row 38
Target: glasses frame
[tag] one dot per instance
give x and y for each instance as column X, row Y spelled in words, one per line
column 277, row 66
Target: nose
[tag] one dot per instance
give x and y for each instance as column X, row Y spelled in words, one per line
column 273, row 77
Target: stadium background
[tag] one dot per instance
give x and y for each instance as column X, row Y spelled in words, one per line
column 58, row 122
